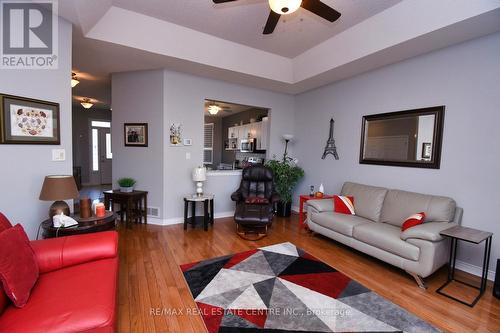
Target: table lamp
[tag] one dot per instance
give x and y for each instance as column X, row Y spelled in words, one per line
column 57, row 189
column 199, row 176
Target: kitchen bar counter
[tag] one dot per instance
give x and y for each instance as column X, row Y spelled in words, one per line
column 216, row 173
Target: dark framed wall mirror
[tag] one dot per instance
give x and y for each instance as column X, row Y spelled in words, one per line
column 410, row 138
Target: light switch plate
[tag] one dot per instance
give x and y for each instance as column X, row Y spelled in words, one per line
column 188, row 156
column 58, row 155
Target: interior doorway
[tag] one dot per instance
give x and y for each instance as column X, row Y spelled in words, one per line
column 100, row 154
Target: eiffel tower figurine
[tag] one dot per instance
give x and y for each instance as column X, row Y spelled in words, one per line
column 330, row 144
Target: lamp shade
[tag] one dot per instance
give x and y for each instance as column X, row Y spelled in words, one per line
column 199, row 174
column 288, row 137
column 56, row 188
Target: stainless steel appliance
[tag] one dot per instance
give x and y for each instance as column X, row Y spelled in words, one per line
column 248, row 145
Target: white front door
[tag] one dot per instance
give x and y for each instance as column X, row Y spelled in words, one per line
column 101, row 155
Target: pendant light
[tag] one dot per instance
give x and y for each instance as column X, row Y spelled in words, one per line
column 86, row 103
column 74, row 80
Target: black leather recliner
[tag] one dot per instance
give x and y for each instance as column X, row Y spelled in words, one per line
column 255, row 201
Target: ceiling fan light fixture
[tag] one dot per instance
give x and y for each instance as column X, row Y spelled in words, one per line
column 86, row 103
column 284, row 7
column 213, row 109
column 74, row 80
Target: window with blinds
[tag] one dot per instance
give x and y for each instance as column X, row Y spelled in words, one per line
column 208, row 144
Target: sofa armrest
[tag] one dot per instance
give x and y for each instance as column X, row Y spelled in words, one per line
column 321, row 205
column 56, row 253
column 427, row 231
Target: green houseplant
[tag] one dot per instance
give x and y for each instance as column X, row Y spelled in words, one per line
column 286, row 174
column 126, row 184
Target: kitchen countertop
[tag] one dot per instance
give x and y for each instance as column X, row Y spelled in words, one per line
column 236, row 172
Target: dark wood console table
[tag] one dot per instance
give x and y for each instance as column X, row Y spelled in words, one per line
column 134, row 204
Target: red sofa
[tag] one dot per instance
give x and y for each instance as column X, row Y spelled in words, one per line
column 76, row 290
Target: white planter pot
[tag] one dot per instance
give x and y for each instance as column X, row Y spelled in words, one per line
column 127, row 189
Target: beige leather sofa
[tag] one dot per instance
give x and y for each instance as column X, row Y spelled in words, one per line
column 376, row 227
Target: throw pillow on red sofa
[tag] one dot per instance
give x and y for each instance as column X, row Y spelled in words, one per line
column 18, row 266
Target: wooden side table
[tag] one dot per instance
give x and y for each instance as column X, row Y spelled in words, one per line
column 305, row 198
column 136, row 203
column 208, row 210
column 85, row 226
column 472, row 236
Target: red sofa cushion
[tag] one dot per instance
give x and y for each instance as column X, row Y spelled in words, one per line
column 73, row 299
column 18, row 266
column 56, row 253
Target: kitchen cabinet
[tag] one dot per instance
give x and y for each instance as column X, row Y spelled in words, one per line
column 233, row 132
column 257, row 130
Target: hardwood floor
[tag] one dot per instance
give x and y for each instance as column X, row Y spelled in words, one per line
column 154, row 297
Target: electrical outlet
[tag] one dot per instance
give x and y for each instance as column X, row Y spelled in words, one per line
column 188, row 156
column 58, row 155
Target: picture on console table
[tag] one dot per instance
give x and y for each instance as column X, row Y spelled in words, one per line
column 28, row 121
column 136, row 134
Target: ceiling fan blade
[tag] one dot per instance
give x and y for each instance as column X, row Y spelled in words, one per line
column 222, row 1
column 320, row 9
column 272, row 22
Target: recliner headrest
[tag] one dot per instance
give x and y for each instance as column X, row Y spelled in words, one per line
column 257, row 173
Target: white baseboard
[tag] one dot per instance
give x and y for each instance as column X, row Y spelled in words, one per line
column 473, row 269
column 460, row 265
column 180, row 220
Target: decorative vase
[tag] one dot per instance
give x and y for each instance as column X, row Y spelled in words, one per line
column 127, row 189
column 284, row 209
column 321, row 188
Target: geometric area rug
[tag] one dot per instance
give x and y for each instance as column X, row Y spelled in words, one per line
column 281, row 288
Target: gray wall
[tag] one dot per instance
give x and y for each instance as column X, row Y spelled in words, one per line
column 184, row 98
column 138, row 98
column 465, row 78
column 23, row 167
column 81, row 144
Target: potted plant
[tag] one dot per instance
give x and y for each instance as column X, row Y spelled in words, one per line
column 286, row 175
column 126, row 184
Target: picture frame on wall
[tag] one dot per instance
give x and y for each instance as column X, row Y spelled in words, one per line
column 426, row 150
column 29, row 121
column 135, row 134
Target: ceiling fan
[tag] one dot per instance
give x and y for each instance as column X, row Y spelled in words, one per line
column 285, row 7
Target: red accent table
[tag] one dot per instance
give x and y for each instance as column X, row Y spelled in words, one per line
column 303, row 199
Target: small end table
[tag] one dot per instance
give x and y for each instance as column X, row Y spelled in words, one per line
column 85, row 226
column 137, row 199
column 208, row 212
column 305, row 198
column 472, row 236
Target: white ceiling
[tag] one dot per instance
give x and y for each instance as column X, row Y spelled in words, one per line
column 242, row 21
column 225, row 41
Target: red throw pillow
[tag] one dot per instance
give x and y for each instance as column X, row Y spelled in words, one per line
column 256, row 201
column 343, row 204
column 18, row 266
column 413, row 220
